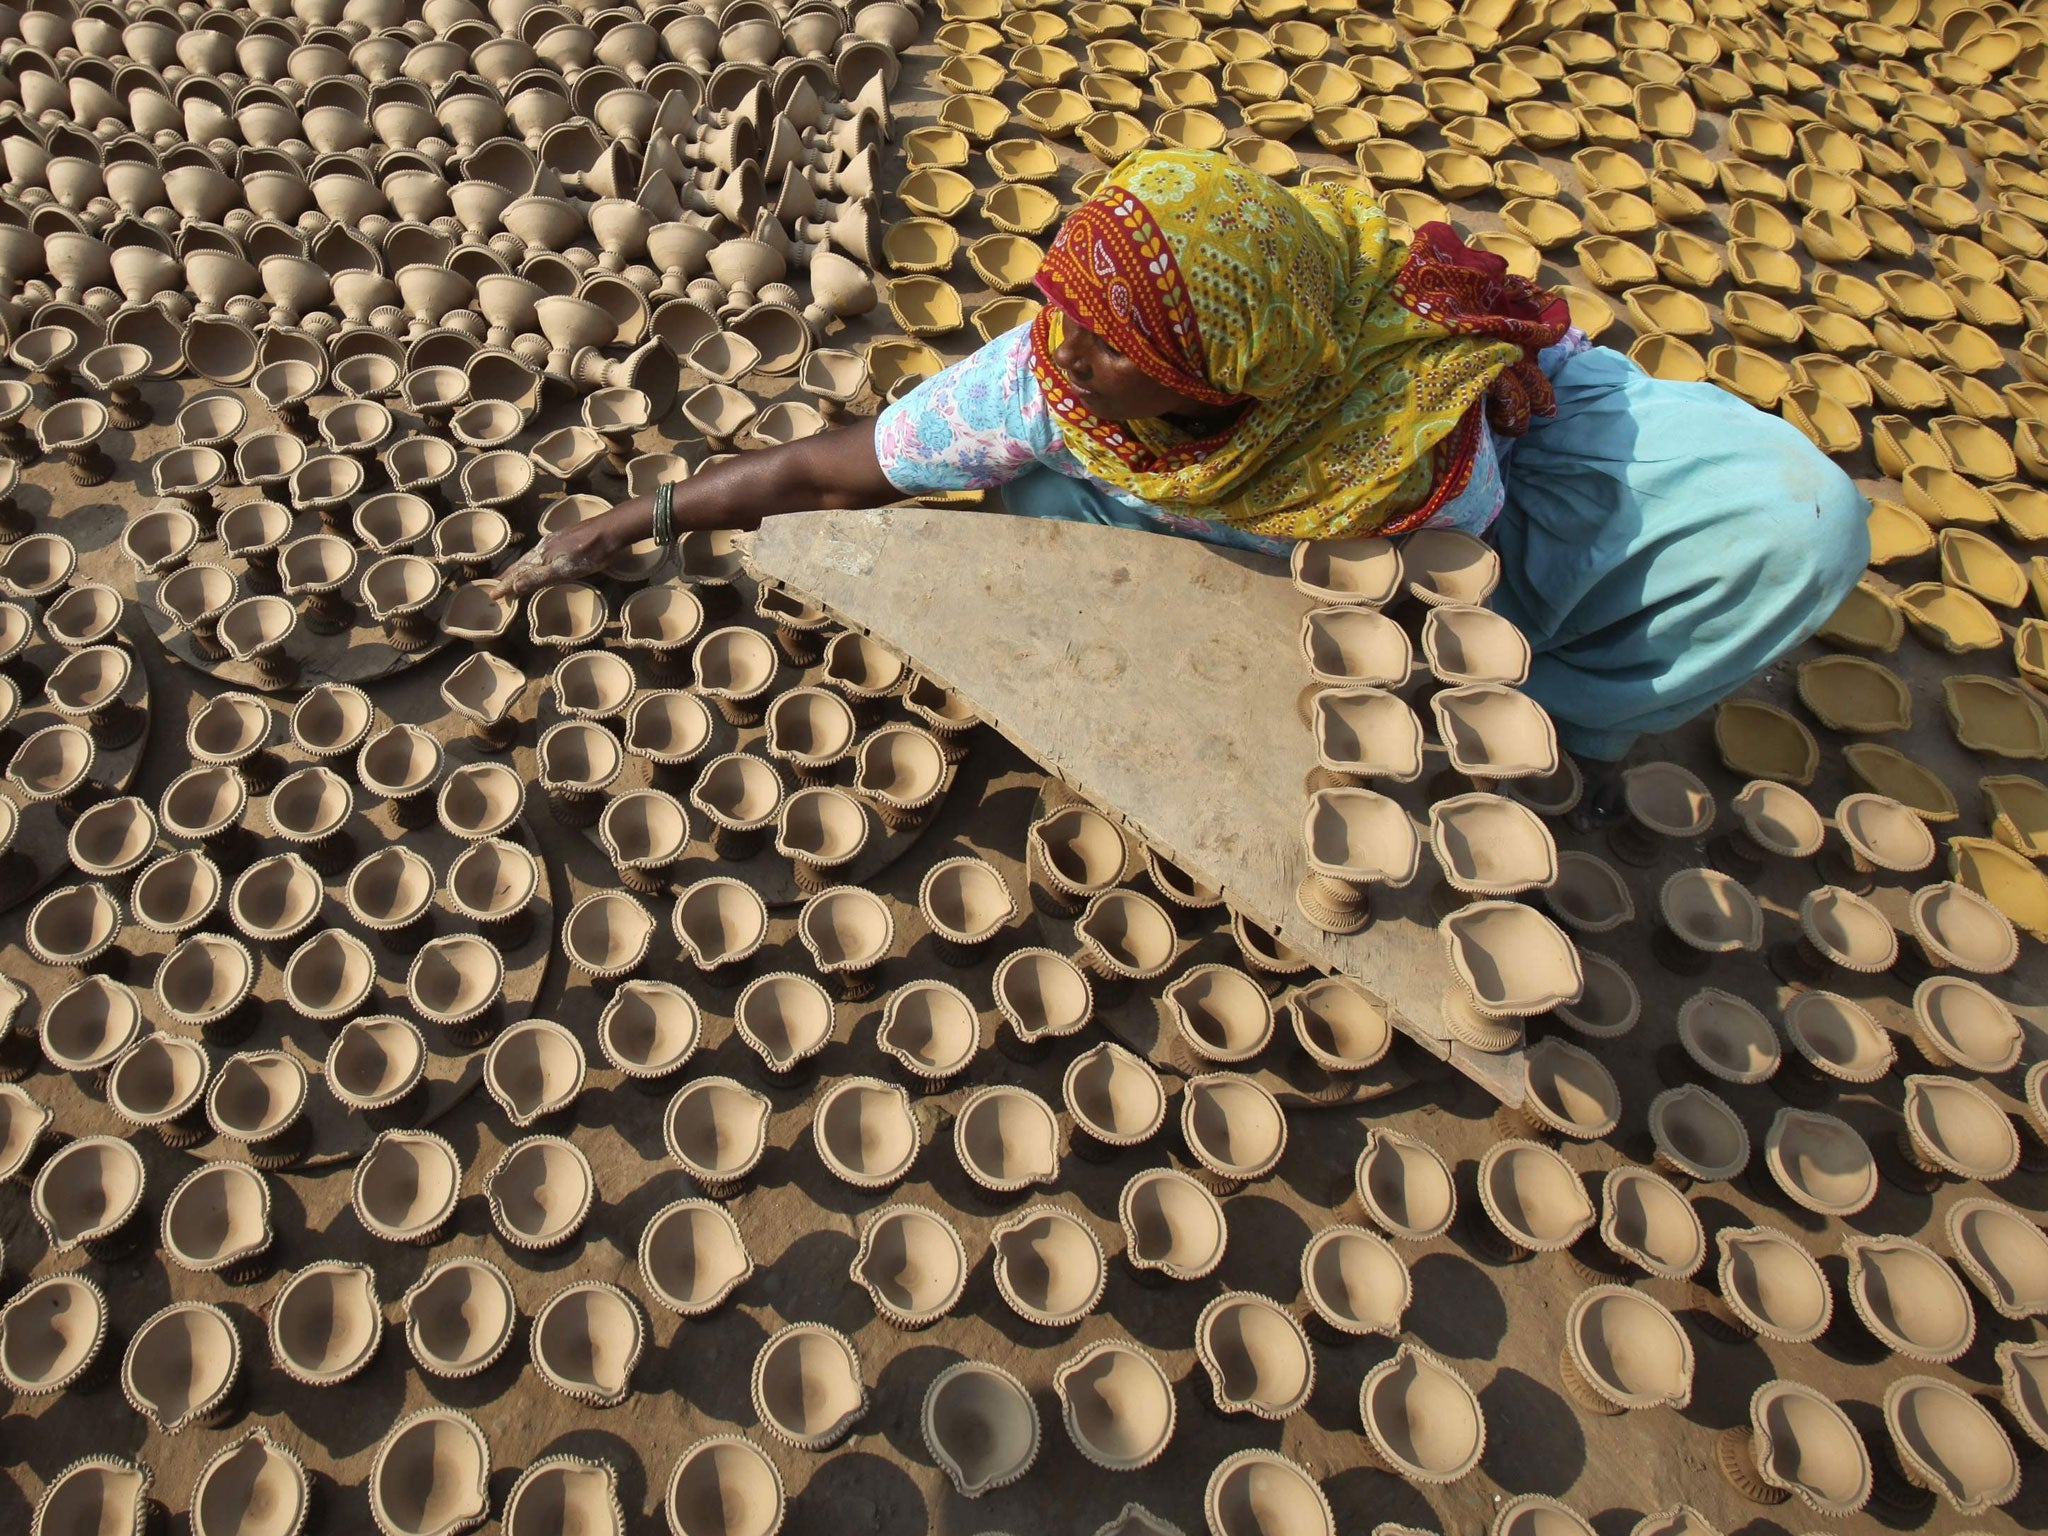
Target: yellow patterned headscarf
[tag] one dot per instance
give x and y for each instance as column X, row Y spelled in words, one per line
column 1360, row 362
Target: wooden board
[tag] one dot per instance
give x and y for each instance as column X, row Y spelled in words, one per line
column 1158, row 677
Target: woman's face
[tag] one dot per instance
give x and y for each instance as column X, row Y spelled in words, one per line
column 1110, row 385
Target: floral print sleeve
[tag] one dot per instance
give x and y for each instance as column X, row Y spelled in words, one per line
column 976, row 424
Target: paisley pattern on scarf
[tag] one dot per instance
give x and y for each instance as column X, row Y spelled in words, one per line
column 1365, row 363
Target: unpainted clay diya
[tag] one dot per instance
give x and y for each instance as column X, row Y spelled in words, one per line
column 911, row 1264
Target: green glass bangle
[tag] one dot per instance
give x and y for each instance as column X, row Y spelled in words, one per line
column 665, row 513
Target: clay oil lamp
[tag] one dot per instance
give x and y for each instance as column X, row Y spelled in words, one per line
column 460, row 1317
column 806, row 1386
column 980, row 1425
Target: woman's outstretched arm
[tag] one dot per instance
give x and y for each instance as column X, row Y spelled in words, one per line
column 834, row 470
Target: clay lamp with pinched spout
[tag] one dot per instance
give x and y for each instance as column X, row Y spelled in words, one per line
column 1420, row 1418
column 806, row 1386
column 717, row 1130
column 724, row 1486
column 911, row 1264
column 980, row 1425
column 460, row 1317
column 1075, row 854
column 1049, row 1267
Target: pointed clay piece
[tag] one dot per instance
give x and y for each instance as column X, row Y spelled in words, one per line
column 1340, row 1026
column 980, row 1426
column 1761, row 741
column 2010, row 882
column 2023, row 1372
column 693, row 1257
column 1257, row 1358
column 325, row 1323
column 459, row 1317
column 406, row 1186
column 1948, row 1442
column 253, row 1487
column 1513, row 961
column 724, row 1486
column 1234, row 1127
column 1909, row 1298
column 1651, row 1224
column 717, row 1129
column 1172, row 1225
column 1956, row 1128
column 1962, row 1024
column 182, row 1366
column 1364, row 572
column 1957, row 927
column 1533, row 1196
column 649, row 1030
column 1355, row 1281
column 1366, row 733
column 1711, row 912
column 431, row 1475
column 2004, row 1254
column 1421, row 1418
column 218, row 1218
column 931, row 1028
column 1588, row 895
column 1493, row 732
column 1728, row 1037
column 1260, row 1493
column 1779, row 819
column 1222, row 1014
column 1626, row 1351
column 1820, row 1162
column 1007, row 1139
column 911, row 1264
column 51, row 1334
column 540, row 1191
column 1848, row 693
column 1118, row 1405
column 806, row 1386
column 1115, row 1097
column 88, row 1192
column 1773, row 1284
column 587, row 1338
column 1568, row 1091
column 1405, row 1187
column 1801, row 1443
column 1697, row 1134
column 1490, row 846
column 1837, row 1038
column 865, row 1132
column 1049, row 1266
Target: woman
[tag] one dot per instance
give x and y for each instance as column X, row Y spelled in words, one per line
column 1225, row 359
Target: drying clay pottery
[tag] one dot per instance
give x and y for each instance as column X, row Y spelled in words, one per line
column 1533, row 1197
column 182, row 1367
column 1909, row 1299
column 1007, row 1139
column 1799, row 1443
column 1118, row 1406
column 911, row 1264
column 431, row 1475
column 1340, row 1026
column 1173, row 1227
column 1420, row 1417
column 1772, row 1285
column 1259, row 1493
column 586, row 1340
column 1567, row 1092
column 406, row 1186
column 717, row 1129
column 1820, row 1162
column 2004, row 1254
column 1116, row 1098
column 1697, row 1134
column 51, row 1334
column 649, row 1030
column 1513, row 962
column 1355, row 1281
column 1625, row 1351
column 806, row 1386
column 1946, row 1441
column 1728, row 1037
column 932, row 1029
column 1405, row 1187
column 981, row 1427
column 218, row 1220
column 325, row 1323
column 459, row 1317
column 1589, row 894
column 865, row 1132
column 1955, row 1128
column 253, row 1487
column 89, row 1194
column 1257, row 1358
column 1957, row 927
column 1836, row 1038
column 1049, row 1266
column 1650, row 1224
column 1235, row 1128
column 96, row 1493
column 539, row 1191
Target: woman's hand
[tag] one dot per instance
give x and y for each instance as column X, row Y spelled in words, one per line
column 567, row 554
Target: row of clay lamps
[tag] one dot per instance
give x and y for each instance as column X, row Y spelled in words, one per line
column 353, row 224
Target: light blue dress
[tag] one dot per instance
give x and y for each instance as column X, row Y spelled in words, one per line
column 1660, row 543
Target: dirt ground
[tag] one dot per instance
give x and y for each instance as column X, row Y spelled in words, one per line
column 1500, row 1326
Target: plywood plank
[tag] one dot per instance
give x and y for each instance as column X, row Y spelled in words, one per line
column 1157, row 676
